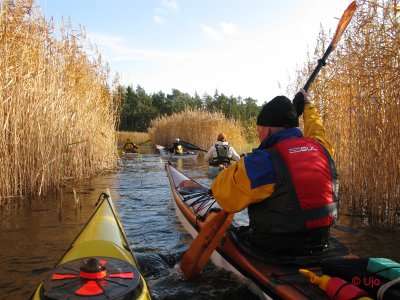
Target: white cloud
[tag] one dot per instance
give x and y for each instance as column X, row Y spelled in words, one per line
column 210, row 32
column 171, row 5
column 112, row 42
column 226, row 28
column 167, row 6
column 229, row 28
column 116, row 49
column 217, row 68
column 159, row 20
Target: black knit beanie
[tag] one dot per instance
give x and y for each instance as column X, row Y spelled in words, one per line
column 279, row 112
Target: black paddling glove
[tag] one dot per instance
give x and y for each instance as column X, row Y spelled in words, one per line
column 298, row 103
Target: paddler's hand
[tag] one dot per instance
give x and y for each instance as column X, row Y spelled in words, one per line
column 307, row 97
column 298, row 103
column 301, row 98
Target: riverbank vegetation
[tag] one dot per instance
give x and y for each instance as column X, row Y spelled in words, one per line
column 58, row 115
column 139, row 108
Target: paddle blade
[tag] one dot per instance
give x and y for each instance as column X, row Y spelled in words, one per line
column 204, row 244
column 191, row 146
column 344, row 22
column 144, row 142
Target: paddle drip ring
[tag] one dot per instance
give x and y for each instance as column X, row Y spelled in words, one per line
column 95, row 278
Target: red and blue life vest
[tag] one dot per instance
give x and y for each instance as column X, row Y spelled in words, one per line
column 306, row 189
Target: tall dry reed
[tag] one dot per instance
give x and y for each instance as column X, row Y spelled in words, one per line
column 358, row 95
column 57, row 114
column 197, row 127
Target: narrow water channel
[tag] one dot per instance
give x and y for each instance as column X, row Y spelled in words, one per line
column 35, row 233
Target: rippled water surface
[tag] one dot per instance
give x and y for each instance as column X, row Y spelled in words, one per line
column 35, row 233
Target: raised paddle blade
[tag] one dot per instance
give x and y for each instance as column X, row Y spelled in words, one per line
column 144, row 142
column 190, row 146
column 204, row 244
column 343, row 23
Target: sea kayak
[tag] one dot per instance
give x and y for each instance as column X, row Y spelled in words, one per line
column 165, row 153
column 275, row 277
column 98, row 265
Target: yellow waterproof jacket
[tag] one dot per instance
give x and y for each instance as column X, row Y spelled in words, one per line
column 179, row 149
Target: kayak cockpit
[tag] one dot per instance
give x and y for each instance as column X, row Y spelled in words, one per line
column 295, row 257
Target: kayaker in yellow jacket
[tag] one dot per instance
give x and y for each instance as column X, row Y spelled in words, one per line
column 289, row 183
column 130, row 146
column 177, row 148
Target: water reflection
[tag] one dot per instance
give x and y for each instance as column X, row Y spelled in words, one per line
column 35, row 234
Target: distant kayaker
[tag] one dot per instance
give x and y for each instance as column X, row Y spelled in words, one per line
column 130, row 147
column 221, row 153
column 177, row 147
column 289, row 183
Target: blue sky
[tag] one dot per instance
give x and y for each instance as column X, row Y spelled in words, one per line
column 247, row 48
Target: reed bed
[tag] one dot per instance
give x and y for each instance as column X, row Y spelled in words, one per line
column 198, row 127
column 358, row 95
column 57, row 112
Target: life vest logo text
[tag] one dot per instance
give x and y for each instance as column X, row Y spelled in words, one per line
column 302, row 149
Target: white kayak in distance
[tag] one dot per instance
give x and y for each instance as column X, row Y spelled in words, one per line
column 164, row 152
